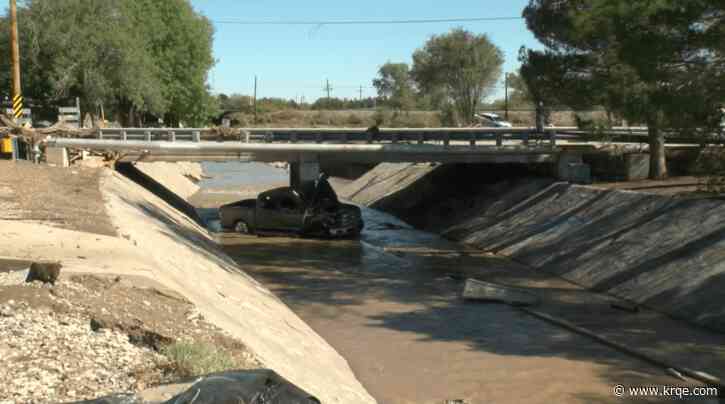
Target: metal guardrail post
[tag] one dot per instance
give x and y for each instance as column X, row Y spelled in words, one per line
column 368, row 137
column 446, row 139
column 100, row 133
column 196, row 136
column 525, row 139
column 124, row 135
column 293, row 137
column 499, row 139
column 472, row 139
column 394, row 138
column 421, row 138
column 552, row 139
column 318, row 137
column 343, row 138
column 147, row 135
column 172, row 136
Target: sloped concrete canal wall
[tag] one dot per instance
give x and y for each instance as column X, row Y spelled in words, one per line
column 665, row 252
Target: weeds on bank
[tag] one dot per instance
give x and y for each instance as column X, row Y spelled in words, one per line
column 194, row 359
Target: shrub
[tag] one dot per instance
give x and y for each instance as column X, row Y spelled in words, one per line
column 354, row 120
column 195, row 359
column 286, row 115
column 449, row 116
column 381, row 117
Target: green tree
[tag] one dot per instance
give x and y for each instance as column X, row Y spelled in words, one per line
column 179, row 41
column 658, row 62
column 395, row 85
column 466, row 66
column 136, row 58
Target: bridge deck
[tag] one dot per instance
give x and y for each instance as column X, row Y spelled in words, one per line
column 357, row 153
column 357, row 145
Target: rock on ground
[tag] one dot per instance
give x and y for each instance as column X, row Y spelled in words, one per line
column 47, row 356
column 89, row 336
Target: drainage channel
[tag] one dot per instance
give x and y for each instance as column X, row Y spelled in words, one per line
column 388, row 303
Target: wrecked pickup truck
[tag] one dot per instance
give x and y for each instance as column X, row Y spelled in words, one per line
column 285, row 210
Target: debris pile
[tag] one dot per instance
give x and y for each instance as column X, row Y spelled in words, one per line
column 85, row 336
column 52, row 357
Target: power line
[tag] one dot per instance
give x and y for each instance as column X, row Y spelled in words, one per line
column 363, row 22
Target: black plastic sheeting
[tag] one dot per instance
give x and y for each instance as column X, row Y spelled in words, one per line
column 235, row 387
column 116, row 399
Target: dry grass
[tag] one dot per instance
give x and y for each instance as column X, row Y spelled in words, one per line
column 196, row 359
column 386, row 118
column 344, row 118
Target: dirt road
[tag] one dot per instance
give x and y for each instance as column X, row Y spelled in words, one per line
column 387, row 304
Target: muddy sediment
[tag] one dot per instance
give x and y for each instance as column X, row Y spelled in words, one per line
column 69, row 199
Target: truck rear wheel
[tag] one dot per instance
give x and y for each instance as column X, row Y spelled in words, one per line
column 241, row 227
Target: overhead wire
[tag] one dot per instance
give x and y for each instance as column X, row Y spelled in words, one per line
column 363, row 22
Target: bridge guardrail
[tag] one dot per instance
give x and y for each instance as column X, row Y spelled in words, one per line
column 443, row 136
column 334, row 135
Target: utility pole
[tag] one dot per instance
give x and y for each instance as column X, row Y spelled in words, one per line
column 506, row 95
column 255, row 99
column 328, row 89
column 361, row 90
column 15, row 60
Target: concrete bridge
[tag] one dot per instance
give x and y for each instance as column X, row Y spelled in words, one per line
column 305, row 149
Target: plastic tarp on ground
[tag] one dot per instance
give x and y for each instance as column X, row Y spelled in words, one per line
column 234, row 387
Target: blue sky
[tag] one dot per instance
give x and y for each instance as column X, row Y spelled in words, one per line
column 294, row 61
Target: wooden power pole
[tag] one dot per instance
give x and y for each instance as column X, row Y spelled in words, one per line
column 506, row 96
column 327, row 89
column 15, row 61
column 255, row 99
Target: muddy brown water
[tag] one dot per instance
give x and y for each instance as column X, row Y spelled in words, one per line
column 386, row 302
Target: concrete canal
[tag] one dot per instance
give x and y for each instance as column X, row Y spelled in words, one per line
column 390, row 304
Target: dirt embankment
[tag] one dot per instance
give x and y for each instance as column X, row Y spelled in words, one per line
column 662, row 251
column 91, row 335
column 151, row 243
column 69, row 199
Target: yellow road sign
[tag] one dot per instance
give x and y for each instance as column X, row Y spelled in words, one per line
column 18, row 106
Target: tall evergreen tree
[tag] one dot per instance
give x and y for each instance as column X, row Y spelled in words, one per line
column 657, row 62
